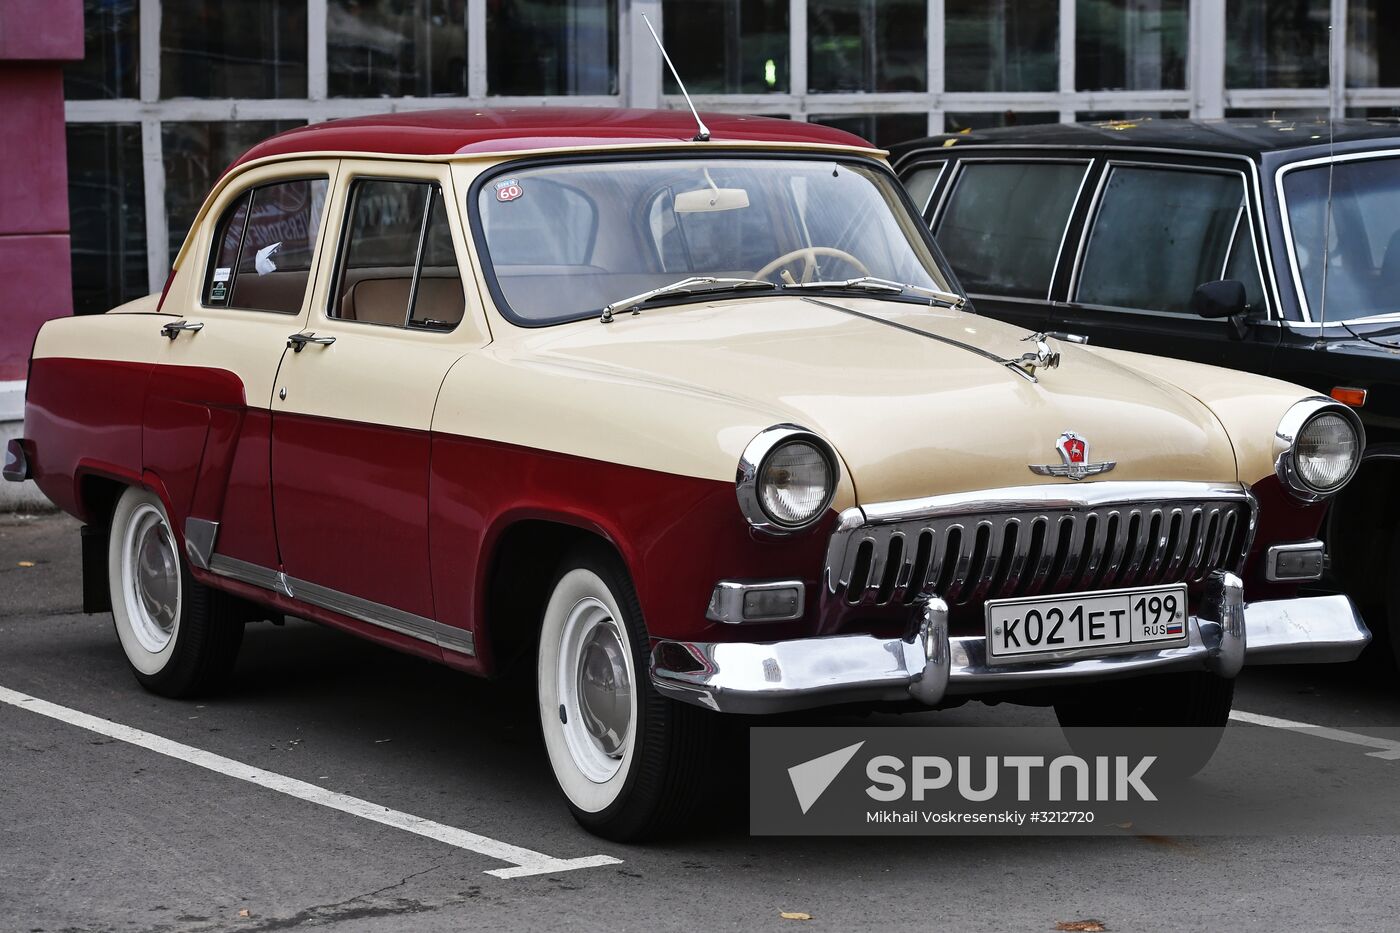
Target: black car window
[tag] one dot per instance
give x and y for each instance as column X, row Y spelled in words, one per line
column 1243, row 267
column 920, row 183
column 1004, row 223
column 263, row 254
column 1157, row 234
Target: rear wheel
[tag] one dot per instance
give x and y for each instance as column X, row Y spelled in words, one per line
column 180, row 638
column 1197, row 700
column 630, row 762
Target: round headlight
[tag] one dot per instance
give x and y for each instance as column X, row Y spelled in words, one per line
column 1319, row 446
column 787, row 478
column 794, row 483
column 1326, row 451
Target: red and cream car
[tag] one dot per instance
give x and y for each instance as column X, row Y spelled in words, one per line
column 687, row 423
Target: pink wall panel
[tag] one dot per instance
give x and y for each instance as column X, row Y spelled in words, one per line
column 33, row 150
column 41, row 30
column 35, row 285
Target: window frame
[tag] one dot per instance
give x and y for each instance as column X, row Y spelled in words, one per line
column 943, row 196
column 230, row 203
column 338, row 267
column 1248, row 209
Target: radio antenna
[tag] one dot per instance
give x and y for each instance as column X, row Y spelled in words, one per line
column 1331, row 170
column 702, row 134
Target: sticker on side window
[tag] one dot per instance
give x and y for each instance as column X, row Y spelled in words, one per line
column 218, row 291
column 508, row 190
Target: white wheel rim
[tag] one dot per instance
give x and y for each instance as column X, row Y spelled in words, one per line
column 594, row 683
column 151, row 586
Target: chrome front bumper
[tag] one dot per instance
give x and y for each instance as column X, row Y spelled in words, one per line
column 748, row 677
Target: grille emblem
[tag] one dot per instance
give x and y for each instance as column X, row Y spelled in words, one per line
column 1074, row 457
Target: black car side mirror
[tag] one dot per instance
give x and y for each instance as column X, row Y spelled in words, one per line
column 1225, row 298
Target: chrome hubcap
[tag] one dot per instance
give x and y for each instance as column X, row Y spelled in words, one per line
column 152, row 571
column 595, row 690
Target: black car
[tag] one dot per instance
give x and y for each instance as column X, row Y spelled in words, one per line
column 1202, row 241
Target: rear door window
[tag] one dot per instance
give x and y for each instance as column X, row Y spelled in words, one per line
column 1159, row 232
column 264, row 247
column 1004, row 223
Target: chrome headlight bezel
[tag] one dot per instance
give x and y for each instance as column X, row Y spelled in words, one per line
column 1286, row 435
column 751, row 464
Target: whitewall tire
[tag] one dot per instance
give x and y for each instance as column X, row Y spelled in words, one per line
column 628, row 761
column 180, row 638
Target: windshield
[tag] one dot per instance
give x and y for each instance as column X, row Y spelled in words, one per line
column 1363, row 241
column 564, row 241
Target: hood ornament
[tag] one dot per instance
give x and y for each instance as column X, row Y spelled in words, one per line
column 1042, row 358
column 1074, row 457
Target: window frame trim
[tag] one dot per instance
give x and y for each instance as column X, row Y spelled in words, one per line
column 1092, row 216
column 950, row 186
column 211, row 261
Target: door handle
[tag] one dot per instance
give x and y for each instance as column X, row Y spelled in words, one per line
column 173, row 329
column 296, row 342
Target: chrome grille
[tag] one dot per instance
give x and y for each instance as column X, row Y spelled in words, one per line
column 1035, row 540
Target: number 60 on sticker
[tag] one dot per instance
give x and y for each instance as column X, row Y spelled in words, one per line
column 508, row 190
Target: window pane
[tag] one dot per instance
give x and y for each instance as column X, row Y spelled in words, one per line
column 867, row 45
column 1361, row 252
column 1276, row 43
column 727, row 46
column 438, row 301
column 228, row 242
column 109, row 67
column 1243, row 267
column 1009, row 46
column 376, row 272
column 107, row 211
column 1133, row 45
column 276, row 248
column 567, row 47
column 882, row 129
column 1373, row 43
column 396, row 48
column 1004, row 222
column 196, row 154
column 1158, row 234
column 253, row 48
column 920, row 182
column 957, row 122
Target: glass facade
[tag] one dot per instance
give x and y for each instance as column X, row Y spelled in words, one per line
column 226, row 75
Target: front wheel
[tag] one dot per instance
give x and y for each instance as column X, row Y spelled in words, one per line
column 180, row 638
column 631, row 763
column 1199, row 701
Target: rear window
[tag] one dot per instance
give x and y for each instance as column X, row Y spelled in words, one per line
column 265, row 246
column 1004, row 224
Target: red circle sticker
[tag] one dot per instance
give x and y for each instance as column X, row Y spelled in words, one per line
column 508, row 190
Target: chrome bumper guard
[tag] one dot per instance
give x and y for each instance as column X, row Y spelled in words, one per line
column 772, row 677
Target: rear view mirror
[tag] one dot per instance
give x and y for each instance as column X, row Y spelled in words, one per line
column 703, row 200
column 1225, row 298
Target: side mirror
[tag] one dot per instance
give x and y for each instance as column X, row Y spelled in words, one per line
column 1225, row 298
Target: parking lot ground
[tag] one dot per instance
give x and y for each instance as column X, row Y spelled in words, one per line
column 101, row 832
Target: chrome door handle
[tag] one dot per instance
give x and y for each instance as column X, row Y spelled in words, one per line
column 296, row 342
column 173, row 329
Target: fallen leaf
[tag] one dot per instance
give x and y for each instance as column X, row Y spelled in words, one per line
column 243, row 913
column 794, row 915
column 26, row 563
column 1081, row 926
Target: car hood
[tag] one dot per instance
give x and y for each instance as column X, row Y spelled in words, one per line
column 909, row 415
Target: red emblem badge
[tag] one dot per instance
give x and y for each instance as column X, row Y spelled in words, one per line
column 1074, row 449
column 1074, row 460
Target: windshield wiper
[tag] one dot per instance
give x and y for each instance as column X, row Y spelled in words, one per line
column 870, row 283
column 695, row 283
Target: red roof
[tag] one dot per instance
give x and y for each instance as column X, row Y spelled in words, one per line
column 449, row 132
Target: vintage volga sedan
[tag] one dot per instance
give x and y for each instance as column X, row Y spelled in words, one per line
column 690, row 423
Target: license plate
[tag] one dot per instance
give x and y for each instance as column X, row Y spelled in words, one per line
column 1085, row 624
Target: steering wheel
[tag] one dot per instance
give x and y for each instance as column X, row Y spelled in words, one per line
column 808, row 255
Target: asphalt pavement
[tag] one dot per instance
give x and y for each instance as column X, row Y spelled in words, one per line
column 136, row 828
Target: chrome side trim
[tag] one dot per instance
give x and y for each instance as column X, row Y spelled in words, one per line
column 386, row 617
column 200, row 535
column 1055, row 496
column 813, row 672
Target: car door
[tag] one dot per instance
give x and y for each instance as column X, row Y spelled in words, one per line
column 1155, row 231
column 207, row 422
column 355, row 394
column 1001, row 222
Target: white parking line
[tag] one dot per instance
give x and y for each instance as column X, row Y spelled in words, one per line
column 523, row 861
column 1389, row 748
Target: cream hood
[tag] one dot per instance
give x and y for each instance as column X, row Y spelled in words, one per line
column 908, row 415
